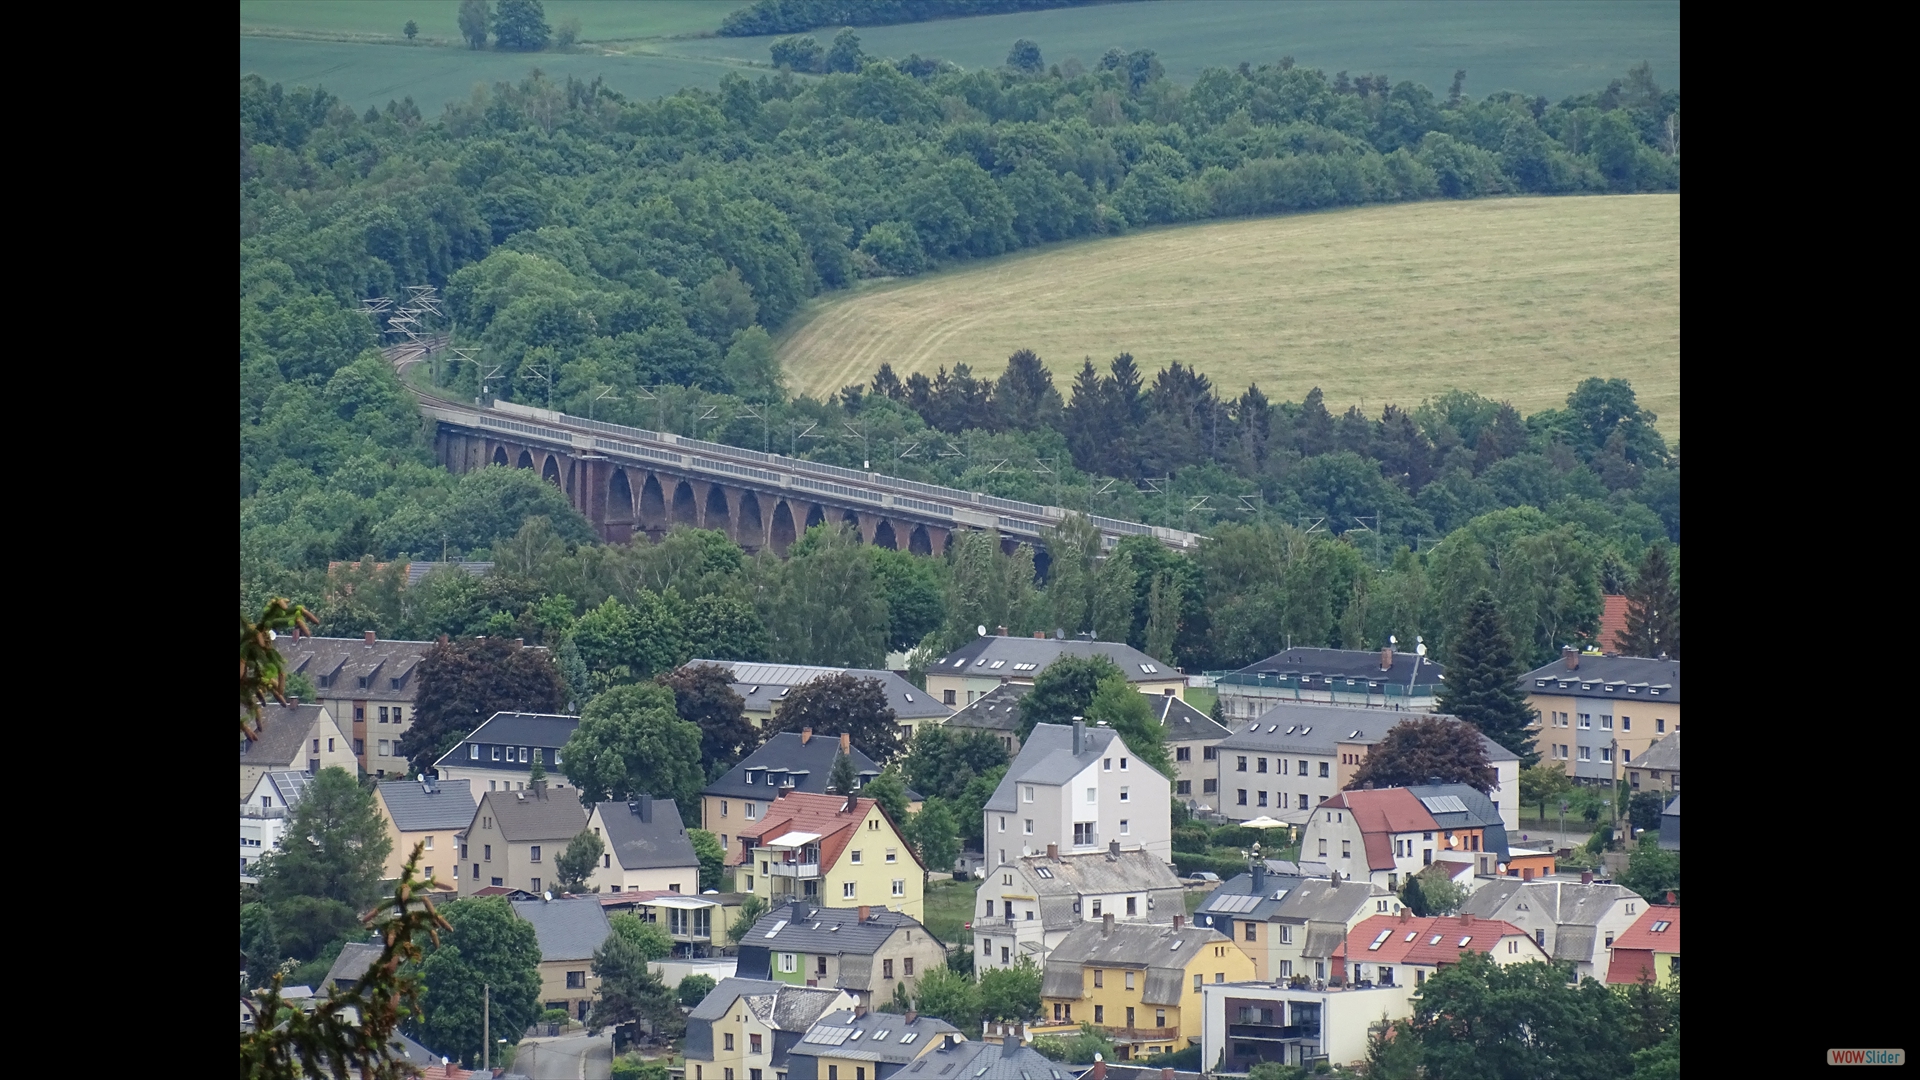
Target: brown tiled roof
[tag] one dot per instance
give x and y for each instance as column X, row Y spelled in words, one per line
column 1380, row 814
column 1613, row 622
column 805, row 812
column 351, row 659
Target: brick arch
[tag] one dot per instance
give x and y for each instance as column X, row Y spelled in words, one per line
column 619, row 497
column 573, row 468
column 718, row 514
column 750, row 527
column 853, row 519
column 816, row 515
column 780, row 534
column 684, row 510
column 526, row 460
column 883, row 536
column 500, row 457
column 550, row 471
column 653, row 505
column 918, row 542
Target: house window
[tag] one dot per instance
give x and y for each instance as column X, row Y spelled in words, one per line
column 947, row 697
column 789, row 963
column 1261, row 797
column 1183, row 787
column 749, row 811
column 1210, row 786
column 1003, row 824
column 1106, row 764
column 1096, row 914
column 846, row 890
column 486, row 852
column 753, row 1045
column 383, row 714
column 906, row 967
column 1099, row 981
column 1346, row 849
column 429, row 843
column 1028, row 827
column 833, row 1072
column 1586, row 753
column 856, row 857
column 1659, row 725
column 893, row 855
column 899, row 886
column 820, row 965
column 1123, row 794
column 576, row 980
column 1586, row 720
column 1260, row 765
column 386, row 748
column 496, row 752
column 1198, row 981
column 396, row 710
column 886, row 969
column 1303, row 768
column 1303, row 801
column 316, row 746
column 1606, row 722
column 1242, row 766
column 1099, row 1011
column 1606, row 753
column 1286, row 966
column 1251, row 935
column 1026, row 793
column 1130, row 905
column 473, row 751
column 1123, row 827
column 1093, row 795
column 523, row 756
column 1323, row 847
column 1209, row 753
column 1242, row 801
column 1129, row 980
column 535, row 882
column 1323, row 769
column 1626, row 723
column 1183, row 753
column 536, row 853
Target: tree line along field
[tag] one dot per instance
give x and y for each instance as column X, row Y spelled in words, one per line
column 644, row 50
column 1516, row 299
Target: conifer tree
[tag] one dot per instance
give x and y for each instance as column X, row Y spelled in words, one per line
column 1482, row 684
column 843, row 779
column 1653, row 609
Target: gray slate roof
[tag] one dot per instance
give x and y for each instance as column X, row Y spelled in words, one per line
column 1127, row 945
column 553, row 814
column 983, row 1060
column 1184, row 723
column 437, row 804
column 764, row 686
column 722, row 996
column 877, row 1036
column 1663, row 754
column 1616, row 678
column 1573, row 908
column 337, row 666
column 354, row 960
column 1235, row 899
column 1316, row 728
column 647, row 845
column 977, row 657
column 567, row 929
column 1098, row 873
column 1349, row 664
column 785, row 759
column 288, row 786
column 1047, row 757
column 1477, row 812
column 811, row 929
column 546, row 731
column 283, row 738
column 996, row 710
column 1320, row 900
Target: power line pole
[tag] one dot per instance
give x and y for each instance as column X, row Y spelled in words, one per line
column 486, row 1028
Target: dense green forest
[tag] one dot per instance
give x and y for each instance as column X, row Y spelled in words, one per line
column 792, row 16
column 628, row 259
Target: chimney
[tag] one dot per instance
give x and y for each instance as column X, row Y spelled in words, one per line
column 806, row 735
column 1405, row 914
column 1053, row 852
column 949, row 1043
column 1586, row 877
column 519, row 643
column 1099, row 1069
column 1179, row 922
column 853, row 802
column 1670, row 897
column 1113, row 851
column 642, row 806
column 1466, row 919
column 1003, row 631
column 1334, row 878
column 1079, row 736
column 1106, row 925
column 1166, row 1074
column 1005, row 679
column 912, row 1016
column 1572, row 656
column 859, row 1011
column 1386, row 658
column 846, row 744
column 1260, row 878
column 1011, row 1046
column 538, row 787
column 864, row 912
column 1041, row 634
column 369, row 637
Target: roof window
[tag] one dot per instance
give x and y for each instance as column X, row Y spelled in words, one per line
column 1354, row 734
column 1290, row 728
column 1435, row 940
column 1661, row 926
column 910, row 699
column 1149, row 669
column 997, row 664
column 908, row 1037
column 1381, row 940
column 1307, row 729
column 1464, row 941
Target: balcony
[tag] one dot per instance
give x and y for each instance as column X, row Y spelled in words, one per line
column 1273, row 1032
column 1140, row 1034
column 793, row 870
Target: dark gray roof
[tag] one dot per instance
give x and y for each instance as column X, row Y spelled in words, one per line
column 1348, row 664
column 1320, row 900
column 354, row 960
column 547, row 731
column 553, row 814
column 436, row 804
column 1235, row 899
column 983, row 1060
column 418, row 570
column 283, row 735
column 785, row 759
column 877, row 1036
column 1070, row 877
column 763, row 686
column 338, row 665
column 1565, row 903
column 1476, row 811
column 807, row 928
column 1663, row 754
column 976, row 659
column 567, row 929
column 646, row 845
column 722, row 996
column 1047, row 757
column 996, row 710
column 1618, row 678
column 1184, row 723
column 1306, row 727
column 1162, row 951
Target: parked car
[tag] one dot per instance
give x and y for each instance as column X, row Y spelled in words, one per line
column 1203, row 876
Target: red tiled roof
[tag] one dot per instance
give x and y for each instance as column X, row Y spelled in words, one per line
column 1381, row 815
column 1391, row 951
column 1477, row 935
column 1642, row 936
column 1613, row 623
column 806, row 812
column 1625, row 966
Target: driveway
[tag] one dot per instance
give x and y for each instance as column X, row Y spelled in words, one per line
column 578, row 1056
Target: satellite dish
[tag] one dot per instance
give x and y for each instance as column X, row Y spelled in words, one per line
column 1421, row 649
column 980, row 630
column 1392, row 639
column 1502, row 867
column 548, row 895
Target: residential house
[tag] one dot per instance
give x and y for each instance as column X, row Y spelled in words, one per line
column 695, row 923
column 1077, row 788
column 841, row 848
column 855, row 1044
column 428, row 812
column 1405, row 948
column 1659, row 768
column 1245, row 1024
column 1027, row 906
column 1670, row 825
column 498, row 755
column 1359, row 677
column 984, row 1059
column 867, row 951
column 1192, row 740
column 264, row 810
column 1290, row 926
column 996, row 712
column 513, row 837
column 1465, row 818
column 1133, row 979
column 570, row 931
column 646, row 847
column 1293, row 757
column 746, row 1029
column 1598, row 714
column 1575, row 922
column 763, row 687
column 974, row 670
column 790, row 761
column 1651, row 946
column 1381, row 836
column 368, row 685
column 294, row 738
column 350, row 967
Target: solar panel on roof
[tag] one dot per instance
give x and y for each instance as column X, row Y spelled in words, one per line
column 1444, row 804
column 829, row 1036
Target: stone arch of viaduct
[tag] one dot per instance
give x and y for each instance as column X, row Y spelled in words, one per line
column 626, row 499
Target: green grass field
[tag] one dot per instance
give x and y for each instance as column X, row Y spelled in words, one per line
column 1540, row 47
column 1517, row 299
column 949, row 907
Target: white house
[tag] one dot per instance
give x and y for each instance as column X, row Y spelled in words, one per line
column 1027, row 906
column 1077, row 788
column 263, row 814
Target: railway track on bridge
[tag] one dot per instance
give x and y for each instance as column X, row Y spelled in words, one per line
column 863, row 491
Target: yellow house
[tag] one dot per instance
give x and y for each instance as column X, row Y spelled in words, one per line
column 980, row 666
column 1659, row 768
column 834, row 850
column 1599, row 715
column 745, row 1029
column 1651, row 943
column 569, row 930
column 430, row 813
column 1139, row 982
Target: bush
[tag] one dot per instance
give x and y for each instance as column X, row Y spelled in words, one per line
column 633, row 1068
column 1190, row 838
column 1187, row 1060
column 694, row 989
column 1235, row 836
column 1192, row 862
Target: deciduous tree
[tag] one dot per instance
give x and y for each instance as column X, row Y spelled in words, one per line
column 838, row 703
column 521, row 25
column 475, row 21
column 1024, row 57
column 485, row 944
column 462, row 683
column 1064, row 689
column 936, row 836
column 630, row 742
column 1011, row 993
column 1417, row 750
column 693, row 989
column 713, row 857
column 1124, row 709
column 703, row 696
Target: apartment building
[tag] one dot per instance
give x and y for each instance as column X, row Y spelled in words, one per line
column 1598, row 714
column 1076, row 788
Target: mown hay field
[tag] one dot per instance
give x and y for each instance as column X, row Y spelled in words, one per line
column 1517, row 299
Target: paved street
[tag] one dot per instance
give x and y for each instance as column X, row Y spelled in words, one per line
column 578, row 1056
